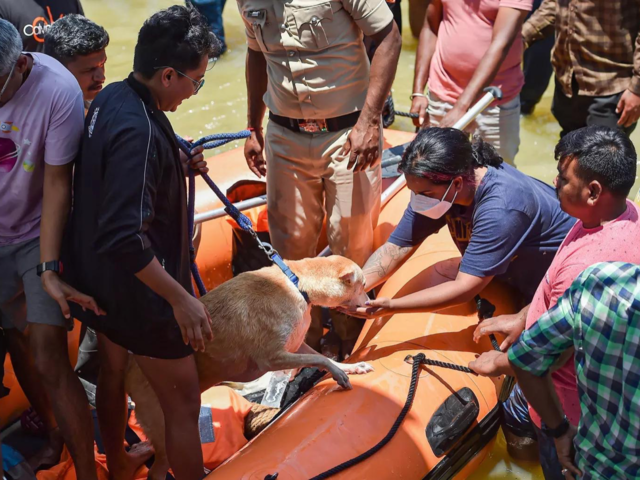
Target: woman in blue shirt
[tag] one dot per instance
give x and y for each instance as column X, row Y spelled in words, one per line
column 505, row 224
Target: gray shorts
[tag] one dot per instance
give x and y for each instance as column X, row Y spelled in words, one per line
column 22, row 298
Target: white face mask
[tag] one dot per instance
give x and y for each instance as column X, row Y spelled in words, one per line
column 430, row 207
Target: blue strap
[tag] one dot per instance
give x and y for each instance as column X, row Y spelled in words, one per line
column 277, row 260
column 213, row 141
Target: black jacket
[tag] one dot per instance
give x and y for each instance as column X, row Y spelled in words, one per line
column 129, row 206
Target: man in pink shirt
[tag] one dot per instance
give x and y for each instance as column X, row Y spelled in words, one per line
column 41, row 121
column 596, row 170
column 463, row 48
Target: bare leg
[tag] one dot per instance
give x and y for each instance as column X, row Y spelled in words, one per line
column 111, row 403
column 71, row 407
column 175, row 383
column 29, row 379
column 150, row 417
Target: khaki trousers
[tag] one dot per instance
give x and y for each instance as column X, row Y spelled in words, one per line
column 307, row 178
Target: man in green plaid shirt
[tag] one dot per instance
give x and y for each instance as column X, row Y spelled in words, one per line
column 599, row 317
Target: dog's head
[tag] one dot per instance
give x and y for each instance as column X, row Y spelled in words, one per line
column 333, row 281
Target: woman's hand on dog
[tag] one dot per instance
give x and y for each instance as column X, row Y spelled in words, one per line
column 194, row 320
column 379, row 307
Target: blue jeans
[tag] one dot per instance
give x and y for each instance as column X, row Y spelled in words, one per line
column 517, row 420
column 212, row 10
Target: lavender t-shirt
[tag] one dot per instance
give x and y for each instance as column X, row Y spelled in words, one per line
column 41, row 124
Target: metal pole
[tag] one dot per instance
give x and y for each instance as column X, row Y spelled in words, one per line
column 492, row 94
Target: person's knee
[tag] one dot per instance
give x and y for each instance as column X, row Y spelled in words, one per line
column 183, row 404
column 50, row 351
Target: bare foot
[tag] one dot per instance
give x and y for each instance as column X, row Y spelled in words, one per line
column 131, row 461
column 49, row 455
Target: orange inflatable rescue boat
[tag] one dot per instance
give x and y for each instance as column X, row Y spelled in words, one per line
column 454, row 417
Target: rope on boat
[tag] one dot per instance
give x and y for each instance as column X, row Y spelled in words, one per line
column 418, row 360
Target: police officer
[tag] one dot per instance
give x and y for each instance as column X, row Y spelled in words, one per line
column 307, row 64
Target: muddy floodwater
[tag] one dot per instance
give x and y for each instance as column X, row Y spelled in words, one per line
column 221, row 107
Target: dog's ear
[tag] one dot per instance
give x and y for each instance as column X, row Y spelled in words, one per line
column 348, row 276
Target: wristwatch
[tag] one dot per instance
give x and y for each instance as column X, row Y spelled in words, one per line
column 54, row 266
column 559, row 431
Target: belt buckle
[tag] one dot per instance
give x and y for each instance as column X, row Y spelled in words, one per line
column 312, row 126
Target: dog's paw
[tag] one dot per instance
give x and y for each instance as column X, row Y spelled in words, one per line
column 359, row 368
column 342, row 378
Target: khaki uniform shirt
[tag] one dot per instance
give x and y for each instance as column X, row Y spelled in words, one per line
column 316, row 61
column 597, row 41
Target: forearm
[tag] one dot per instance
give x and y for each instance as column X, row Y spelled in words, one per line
column 541, row 395
column 426, row 49
column 157, row 279
column 505, row 33
column 384, row 261
column 435, row 298
column 256, row 78
column 56, row 204
column 503, row 366
column 383, row 71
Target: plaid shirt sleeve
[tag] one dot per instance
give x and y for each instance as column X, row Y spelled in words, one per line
column 541, row 23
column 634, row 85
column 541, row 346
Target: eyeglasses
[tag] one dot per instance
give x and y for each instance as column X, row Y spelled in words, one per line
column 197, row 85
column 6, row 83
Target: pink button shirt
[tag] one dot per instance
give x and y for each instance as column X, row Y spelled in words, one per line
column 616, row 241
column 464, row 37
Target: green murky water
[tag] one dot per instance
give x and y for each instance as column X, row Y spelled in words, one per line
column 221, row 107
column 221, row 104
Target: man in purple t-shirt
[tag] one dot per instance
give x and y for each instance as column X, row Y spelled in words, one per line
column 41, row 122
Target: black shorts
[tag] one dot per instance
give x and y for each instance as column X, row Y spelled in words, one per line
column 146, row 337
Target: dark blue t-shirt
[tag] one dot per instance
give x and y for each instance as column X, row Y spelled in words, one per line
column 512, row 230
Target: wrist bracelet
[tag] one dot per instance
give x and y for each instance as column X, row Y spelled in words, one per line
column 413, row 95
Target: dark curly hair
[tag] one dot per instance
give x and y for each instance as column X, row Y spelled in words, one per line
column 177, row 37
column 74, row 35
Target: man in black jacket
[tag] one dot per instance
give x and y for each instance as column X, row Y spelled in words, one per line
column 128, row 241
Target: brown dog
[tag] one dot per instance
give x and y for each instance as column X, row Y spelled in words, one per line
column 260, row 320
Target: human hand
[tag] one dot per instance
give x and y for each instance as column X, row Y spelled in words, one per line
column 491, row 364
column 63, row 293
column 379, row 307
column 419, row 105
column 509, row 325
column 566, row 453
column 628, row 108
column 363, row 146
column 197, row 161
column 253, row 153
column 452, row 116
column 193, row 319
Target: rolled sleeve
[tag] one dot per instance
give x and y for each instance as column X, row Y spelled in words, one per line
column 541, row 346
column 372, row 16
column 252, row 43
column 541, row 22
column 131, row 173
column 524, row 5
column 65, row 128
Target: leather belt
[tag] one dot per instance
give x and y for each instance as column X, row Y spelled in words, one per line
column 316, row 125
